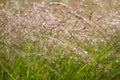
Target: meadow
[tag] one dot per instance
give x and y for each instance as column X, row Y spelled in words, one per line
column 59, row 40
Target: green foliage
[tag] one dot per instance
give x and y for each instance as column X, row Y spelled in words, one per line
column 43, row 67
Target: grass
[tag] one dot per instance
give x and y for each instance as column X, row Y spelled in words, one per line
column 40, row 43
column 27, row 63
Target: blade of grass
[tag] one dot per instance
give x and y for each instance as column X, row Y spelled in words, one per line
column 8, row 72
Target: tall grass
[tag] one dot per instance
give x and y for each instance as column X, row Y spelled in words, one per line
column 53, row 41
